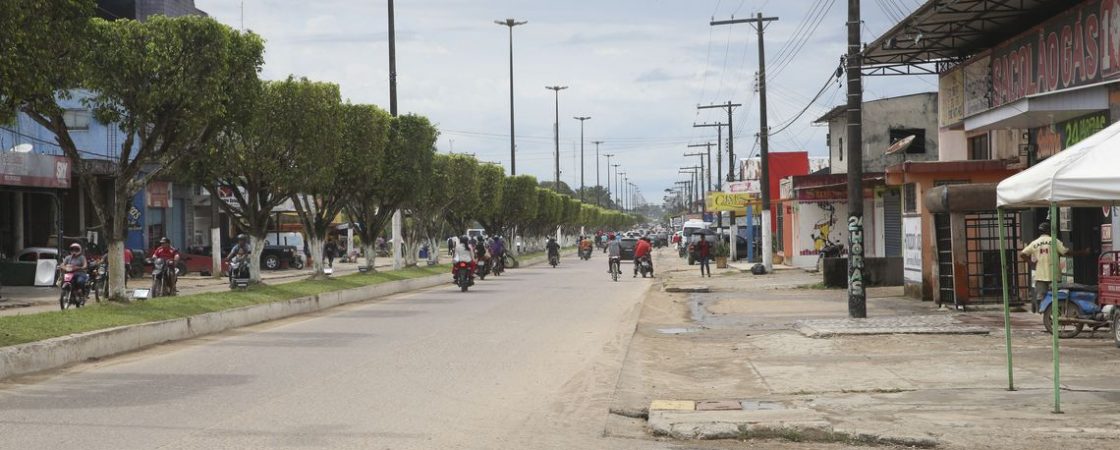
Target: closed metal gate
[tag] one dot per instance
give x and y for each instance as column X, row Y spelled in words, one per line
column 892, row 222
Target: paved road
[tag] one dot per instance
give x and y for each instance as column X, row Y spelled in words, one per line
column 528, row 360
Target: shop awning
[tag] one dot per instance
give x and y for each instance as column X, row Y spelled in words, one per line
column 945, row 32
column 1041, row 110
column 1082, row 175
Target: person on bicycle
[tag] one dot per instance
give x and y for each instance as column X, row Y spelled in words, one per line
column 171, row 255
column 79, row 264
column 643, row 249
column 614, row 252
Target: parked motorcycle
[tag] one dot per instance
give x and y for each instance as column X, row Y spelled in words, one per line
column 830, row 250
column 1078, row 307
column 99, row 278
column 463, row 277
column 645, row 266
column 162, row 277
column 72, row 294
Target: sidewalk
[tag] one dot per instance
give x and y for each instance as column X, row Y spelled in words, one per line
column 910, row 375
column 30, row 300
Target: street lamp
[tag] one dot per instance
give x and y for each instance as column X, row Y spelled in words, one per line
column 609, row 156
column 621, row 195
column 512, row 158
column 615, row 185
column 581, row 119
column 556, row 131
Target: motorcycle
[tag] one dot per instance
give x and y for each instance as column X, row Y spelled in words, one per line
column 1077, row 308
column 239, row 272
column 463, row 277
column 499, row 266
column 99, row 278
column 72, row 294
column 484, row 268
column 585, row 254
column 616, row 269
column 830, row 250
column 682, row 250
column 554, row 259
column 645, row 266
column 162, row 274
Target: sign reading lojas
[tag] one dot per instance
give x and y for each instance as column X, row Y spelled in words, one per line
column 1078, row 47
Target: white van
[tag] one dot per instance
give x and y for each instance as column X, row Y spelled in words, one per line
column 692, row 225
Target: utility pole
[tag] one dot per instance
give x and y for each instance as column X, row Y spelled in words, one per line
column 857, row 296
column 708, row 172
column 616, row 173
column 556, row 132
column 703, row 187
column 730, row 135
column 719, row 150
column 598, row 187
column 398, row 222
column 512, row 145
column 582, row 188
column 608, row 186
column 759, row 24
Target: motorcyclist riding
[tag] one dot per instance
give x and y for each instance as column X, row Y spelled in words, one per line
column 585, row 245
column 463, row 252
column 553, row 248
column 643, row 249
column 242, row 245
column 78, row 264
column 169, row 253
column 497, row 248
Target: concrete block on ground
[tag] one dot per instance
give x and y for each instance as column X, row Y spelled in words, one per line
column 693, row 288
column 719, row 405
column 733, row 424
column 672, row 405
column 928, row 324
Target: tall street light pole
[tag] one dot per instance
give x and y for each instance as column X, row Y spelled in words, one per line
column 556, row 132
column 512, row 145
column 598, row 187
column 581, row 119
column 398, row 221
column 608, row 170
column 618, row 176
column 614, row 187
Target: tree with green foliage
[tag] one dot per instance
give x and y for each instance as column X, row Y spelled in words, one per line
column 254, row 163
column 169, row 100
column 519, row 203
column 451, row 190
column 316, row 180
column 491, row 193
column 394, row 179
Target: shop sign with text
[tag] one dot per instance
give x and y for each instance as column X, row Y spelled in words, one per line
column 1078, row 47
column 1063, row 135
column 912, row 249
column 724, row 201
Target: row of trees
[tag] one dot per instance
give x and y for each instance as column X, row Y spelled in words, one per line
column 186, row 94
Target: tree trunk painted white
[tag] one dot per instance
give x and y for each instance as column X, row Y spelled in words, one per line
column 371, row 254
column 315, row 246
column 433, row 251
column 255, row 263
column 216, row 252
column 397, row 239
column 116, row 269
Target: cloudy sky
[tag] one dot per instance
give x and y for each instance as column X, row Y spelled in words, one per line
column 639, row 68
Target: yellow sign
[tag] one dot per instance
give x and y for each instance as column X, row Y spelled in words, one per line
column 731, row 201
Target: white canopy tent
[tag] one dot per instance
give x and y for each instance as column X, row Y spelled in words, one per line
column 1085, row 175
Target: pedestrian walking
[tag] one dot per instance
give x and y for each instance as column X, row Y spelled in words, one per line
column 330, row 251
column 704, row 252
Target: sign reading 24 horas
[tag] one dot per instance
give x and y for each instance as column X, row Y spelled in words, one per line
column 1078, row 47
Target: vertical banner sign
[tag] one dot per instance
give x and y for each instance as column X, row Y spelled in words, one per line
column 912, row 249
column 855, row 250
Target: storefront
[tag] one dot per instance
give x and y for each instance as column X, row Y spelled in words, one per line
column 31, row 185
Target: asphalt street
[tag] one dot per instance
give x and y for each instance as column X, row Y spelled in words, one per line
column 527, row 360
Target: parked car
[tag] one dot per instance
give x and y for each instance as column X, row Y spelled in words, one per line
column 34, row 254
column 273, row 257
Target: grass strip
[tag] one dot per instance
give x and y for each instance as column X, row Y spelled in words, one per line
column 22, row 329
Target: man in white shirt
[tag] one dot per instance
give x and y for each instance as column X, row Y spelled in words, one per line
column 1039, row 252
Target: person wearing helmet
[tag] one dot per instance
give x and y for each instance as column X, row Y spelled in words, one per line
column 552, row 247
column 463, row 252
column 78, row 263
column 171, row 254
column 241, row 247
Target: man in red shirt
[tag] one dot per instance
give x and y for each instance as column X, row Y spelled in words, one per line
column 169, row 253
column 643, row 249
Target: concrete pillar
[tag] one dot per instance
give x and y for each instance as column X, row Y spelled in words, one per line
column 960, row 257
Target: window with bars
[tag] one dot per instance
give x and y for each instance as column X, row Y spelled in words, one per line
column 910, row 198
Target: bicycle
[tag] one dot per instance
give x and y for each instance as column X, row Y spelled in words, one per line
column 615, row 269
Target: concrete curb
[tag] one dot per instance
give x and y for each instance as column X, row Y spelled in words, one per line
column 62, row 351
